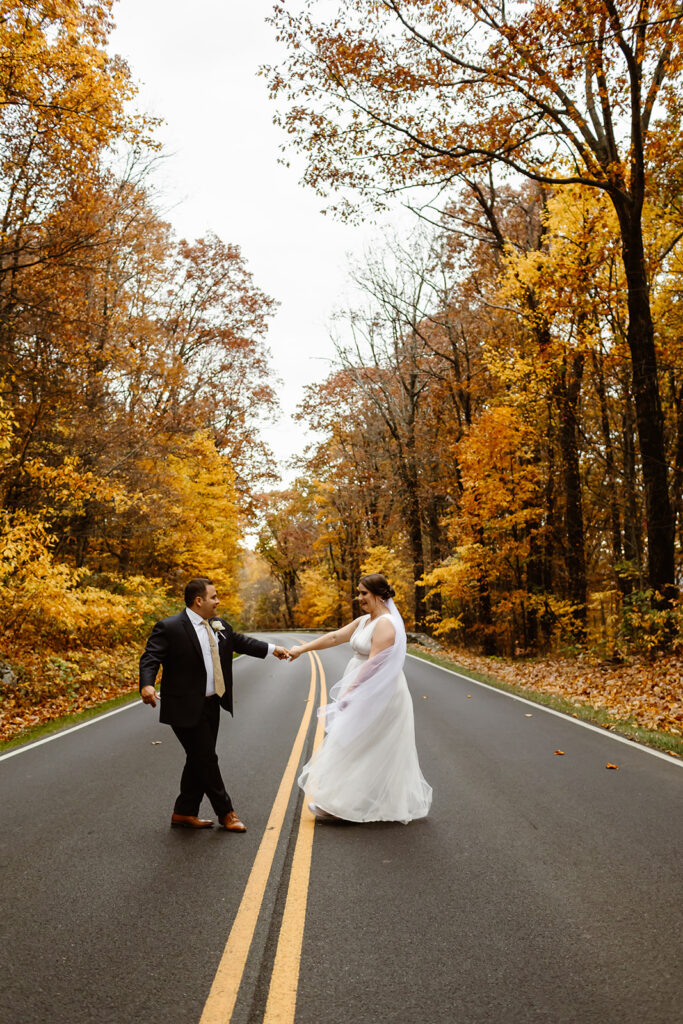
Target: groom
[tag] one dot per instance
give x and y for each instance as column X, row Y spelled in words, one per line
column 194, row 649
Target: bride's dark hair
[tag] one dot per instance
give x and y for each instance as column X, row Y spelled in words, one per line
column 378, row 585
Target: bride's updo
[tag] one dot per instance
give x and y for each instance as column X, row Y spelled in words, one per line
column 378, row 585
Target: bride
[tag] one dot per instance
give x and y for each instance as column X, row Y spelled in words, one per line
column 367, row 768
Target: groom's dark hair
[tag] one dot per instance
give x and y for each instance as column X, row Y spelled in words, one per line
column 196, row 588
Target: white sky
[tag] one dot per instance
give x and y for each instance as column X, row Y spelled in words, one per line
column 197, row 69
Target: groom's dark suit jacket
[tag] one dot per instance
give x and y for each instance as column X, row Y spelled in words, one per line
column 174, row 645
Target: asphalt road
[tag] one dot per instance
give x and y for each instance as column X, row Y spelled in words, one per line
column 542, row 888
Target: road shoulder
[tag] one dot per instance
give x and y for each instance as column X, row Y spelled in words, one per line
column 584, row 712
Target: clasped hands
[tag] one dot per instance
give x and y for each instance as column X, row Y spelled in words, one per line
column 284, row 655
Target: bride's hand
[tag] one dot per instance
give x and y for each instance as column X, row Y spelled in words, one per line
column 294, row 652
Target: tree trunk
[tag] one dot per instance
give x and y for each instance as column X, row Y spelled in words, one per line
column 489, row 640
column 337, row 573
column 434, row 533
column 633, row 553
column 677, row 489
column 649, row 415
column 535, row 576
column 548, row 559
column 567, row 394
column 354, row 577
column 610, row 474
column 534, row 584
column 289, row 580
column 484, row 615
column 414, row 524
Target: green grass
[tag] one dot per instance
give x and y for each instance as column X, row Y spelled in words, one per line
column 37, row 732
column 585, row 712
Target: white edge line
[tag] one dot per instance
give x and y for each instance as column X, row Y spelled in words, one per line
column 551, row 711
column 65, row 732
column 74, row 728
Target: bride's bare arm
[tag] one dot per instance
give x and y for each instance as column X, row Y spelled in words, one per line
column 321, row 643
column 383, row 636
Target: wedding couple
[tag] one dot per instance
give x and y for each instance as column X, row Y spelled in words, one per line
column 366, row 768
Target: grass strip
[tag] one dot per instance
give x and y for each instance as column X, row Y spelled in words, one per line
column 585, row 712
column 37, row 732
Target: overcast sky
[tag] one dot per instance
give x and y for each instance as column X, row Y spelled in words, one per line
column 197, row 69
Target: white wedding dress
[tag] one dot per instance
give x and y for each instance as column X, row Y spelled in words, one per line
column 371, row 774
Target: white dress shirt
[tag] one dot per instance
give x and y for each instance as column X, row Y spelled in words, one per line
column 203, row 638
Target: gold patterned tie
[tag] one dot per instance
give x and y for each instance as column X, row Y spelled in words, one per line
column 218, row 681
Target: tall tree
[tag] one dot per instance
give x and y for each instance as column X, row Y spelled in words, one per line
column 396, row 93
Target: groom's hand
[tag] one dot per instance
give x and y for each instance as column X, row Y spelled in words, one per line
column 149, row 695
column 282, row 653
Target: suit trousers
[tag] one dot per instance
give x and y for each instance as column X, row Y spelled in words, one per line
column 201, row 773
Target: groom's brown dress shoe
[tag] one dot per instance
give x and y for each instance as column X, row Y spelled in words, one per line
column 232, row 823
column 189, row 821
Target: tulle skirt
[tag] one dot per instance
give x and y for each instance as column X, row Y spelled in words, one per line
column 375, row 777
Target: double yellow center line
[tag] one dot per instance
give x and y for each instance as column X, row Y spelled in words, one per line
column 281, row 1002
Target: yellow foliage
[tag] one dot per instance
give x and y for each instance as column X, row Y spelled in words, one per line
column 447, row 626
column 397, row 570
column 62, row 82
column 196, row 507
column 54, row 602
column 455, row 579
column 498, row 512
column 7, row 425
column 260, row 594
column 500, row 477
column 565, row 290
column 70, row 486
column 320, row 599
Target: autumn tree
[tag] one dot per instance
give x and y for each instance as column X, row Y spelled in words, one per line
column 413, row 363
column 134, row 371
column 389, row 95
column 118, row 343
column 285, row 542
column 348, row 478
column 65, row 102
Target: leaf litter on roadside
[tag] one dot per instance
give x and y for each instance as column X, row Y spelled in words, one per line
column 647, row 692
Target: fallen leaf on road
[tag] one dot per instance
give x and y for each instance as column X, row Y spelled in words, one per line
column 558, row 751
column 157, row 743
column 615, row 766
